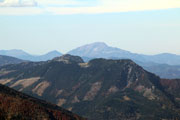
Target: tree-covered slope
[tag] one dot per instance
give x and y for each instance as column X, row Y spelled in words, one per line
column 100, row 89
column 17, row 106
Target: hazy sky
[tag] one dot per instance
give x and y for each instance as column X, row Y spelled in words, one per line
column 140, row 26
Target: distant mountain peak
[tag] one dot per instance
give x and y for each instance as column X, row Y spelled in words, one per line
column 20, row 54
column 54, row 53
column 166, row 54
column 98, row 50
column 98, row 43
column 67, row 58
column 13, row 52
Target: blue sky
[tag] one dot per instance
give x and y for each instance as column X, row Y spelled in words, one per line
column 43, row 25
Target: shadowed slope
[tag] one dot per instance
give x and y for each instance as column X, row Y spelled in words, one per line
column 15, row 105
column 4, row 60
column 100, row 89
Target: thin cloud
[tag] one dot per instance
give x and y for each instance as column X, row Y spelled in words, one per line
column 61, row 7
column 18, row 3
column 115, row 6
column 58, row 2
column 21, row 11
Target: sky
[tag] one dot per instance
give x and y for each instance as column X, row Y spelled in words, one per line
column 139, row 26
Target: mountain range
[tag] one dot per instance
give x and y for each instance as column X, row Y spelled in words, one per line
column 98, row 50
column 165, row 65
column 20, row 54
column 18, row 106
column 164, row 70
column 101, row 89
column 101, row 50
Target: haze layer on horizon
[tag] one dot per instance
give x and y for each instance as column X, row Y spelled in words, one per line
column 139, row 26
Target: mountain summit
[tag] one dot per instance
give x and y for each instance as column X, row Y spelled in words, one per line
column 69, row 59
column 98, row 50
column 101, row 50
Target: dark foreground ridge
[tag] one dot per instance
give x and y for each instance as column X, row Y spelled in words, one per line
column 17, row 106
column 102, row 89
